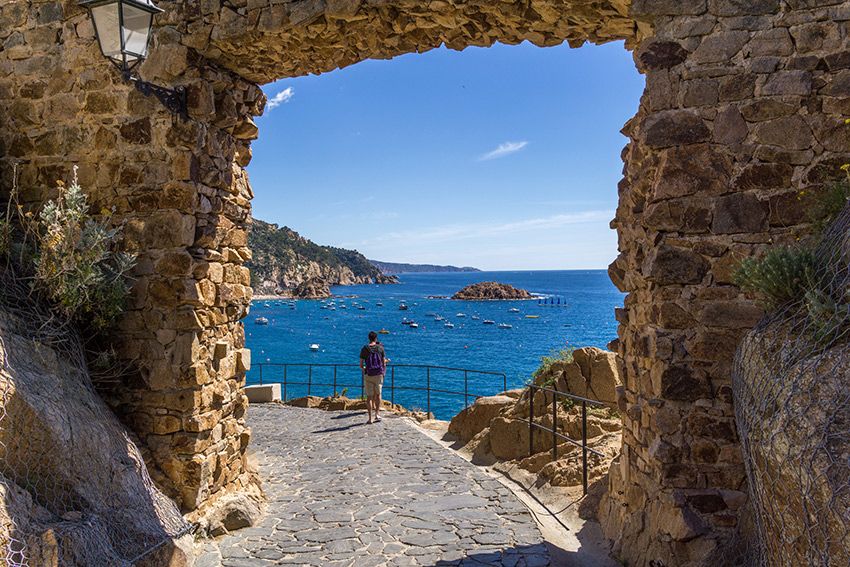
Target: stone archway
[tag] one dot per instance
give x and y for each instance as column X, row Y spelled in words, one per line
column 742, row 110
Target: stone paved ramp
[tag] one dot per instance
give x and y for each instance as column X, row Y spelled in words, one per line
column 344, row 493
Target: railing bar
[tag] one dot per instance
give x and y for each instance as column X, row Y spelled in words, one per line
column 392, row 385
column 352, row 365
column 285, row 368
column 428, row 385
column 568, row 439
column 554, row 429
column 584, row 447
column 531, row 391
column 571, row 396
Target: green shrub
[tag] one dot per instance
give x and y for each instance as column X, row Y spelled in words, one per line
column 546, row 363
column 71, row 258
column 779, row 277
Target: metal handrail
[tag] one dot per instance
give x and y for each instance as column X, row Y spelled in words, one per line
column 391, row 370
column 532, row 390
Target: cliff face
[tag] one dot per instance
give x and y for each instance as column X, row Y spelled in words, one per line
column 283, row 261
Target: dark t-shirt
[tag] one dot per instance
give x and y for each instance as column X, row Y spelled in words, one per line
column 364, row 352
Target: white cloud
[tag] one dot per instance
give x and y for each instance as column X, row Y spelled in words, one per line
column 282, row 97
column 451, row 233
column 503, row 150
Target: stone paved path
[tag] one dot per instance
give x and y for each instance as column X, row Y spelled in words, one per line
column 344, row 493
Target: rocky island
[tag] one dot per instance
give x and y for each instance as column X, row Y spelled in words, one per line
column 491, row 291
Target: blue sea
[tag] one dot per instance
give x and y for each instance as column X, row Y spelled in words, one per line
column 582, row 315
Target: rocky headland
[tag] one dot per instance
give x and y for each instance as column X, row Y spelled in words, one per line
column 286, row 264
column 491, row 291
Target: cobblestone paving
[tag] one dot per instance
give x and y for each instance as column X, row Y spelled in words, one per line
column 344, row 493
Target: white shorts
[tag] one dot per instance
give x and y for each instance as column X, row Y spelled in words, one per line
column 373, row 385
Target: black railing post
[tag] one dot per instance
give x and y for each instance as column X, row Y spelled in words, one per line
column 584, row 446
column 392, row 385
column 309, row 378
column 465, row 389
column 285, row 372
column 554, row 428
column 531, row 420
column 261, row 374
column 334, row 380
column 428, row 389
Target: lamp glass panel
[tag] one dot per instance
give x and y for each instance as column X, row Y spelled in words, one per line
column 108, row 33
column 137, row 29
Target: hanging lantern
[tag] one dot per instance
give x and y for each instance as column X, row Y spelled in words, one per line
column 123, row 29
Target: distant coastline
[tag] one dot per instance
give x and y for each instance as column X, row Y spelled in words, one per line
column 394, row 268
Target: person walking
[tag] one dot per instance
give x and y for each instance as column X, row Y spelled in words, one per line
column 373, row 363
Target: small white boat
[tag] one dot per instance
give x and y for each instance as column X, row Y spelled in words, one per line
column 476, row 318
column 438, row 318
column 505, row 326
column 314, row 347
column 406, row 321
column 449, row 325
column 513, row 310
column 379, row 304
column 261, row 321
column 461, row 315
column 403, row 307
column 489, row 322
column 361, row 308
column 414, row 325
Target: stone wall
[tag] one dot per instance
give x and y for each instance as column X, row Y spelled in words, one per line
column 180, row 189
column 740, row 123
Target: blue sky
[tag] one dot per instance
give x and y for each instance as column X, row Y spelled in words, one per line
column 501, row 158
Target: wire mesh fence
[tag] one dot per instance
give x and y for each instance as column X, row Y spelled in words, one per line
column 791, row 384
column 74, row 489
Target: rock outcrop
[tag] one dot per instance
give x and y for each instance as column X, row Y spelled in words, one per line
column 283, row 261
column 314, row 288
column 491, row 291
column 74, row 489
column 794, row 419
column 495, row 429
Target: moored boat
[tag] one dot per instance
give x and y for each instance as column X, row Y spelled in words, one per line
column 261, row 321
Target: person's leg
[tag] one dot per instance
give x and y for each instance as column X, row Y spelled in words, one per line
column 378, row 388
column 368, row 391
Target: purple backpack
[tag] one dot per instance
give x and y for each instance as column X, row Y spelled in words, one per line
column 375, row 363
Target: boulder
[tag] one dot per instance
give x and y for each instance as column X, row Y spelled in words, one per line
column 74, row 486
column 601, row 373
column 474, row 419
column 793, row 414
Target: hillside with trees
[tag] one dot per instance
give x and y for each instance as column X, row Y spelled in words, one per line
column 283, row 260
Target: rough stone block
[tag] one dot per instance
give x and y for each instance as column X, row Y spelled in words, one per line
column 264, row 393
